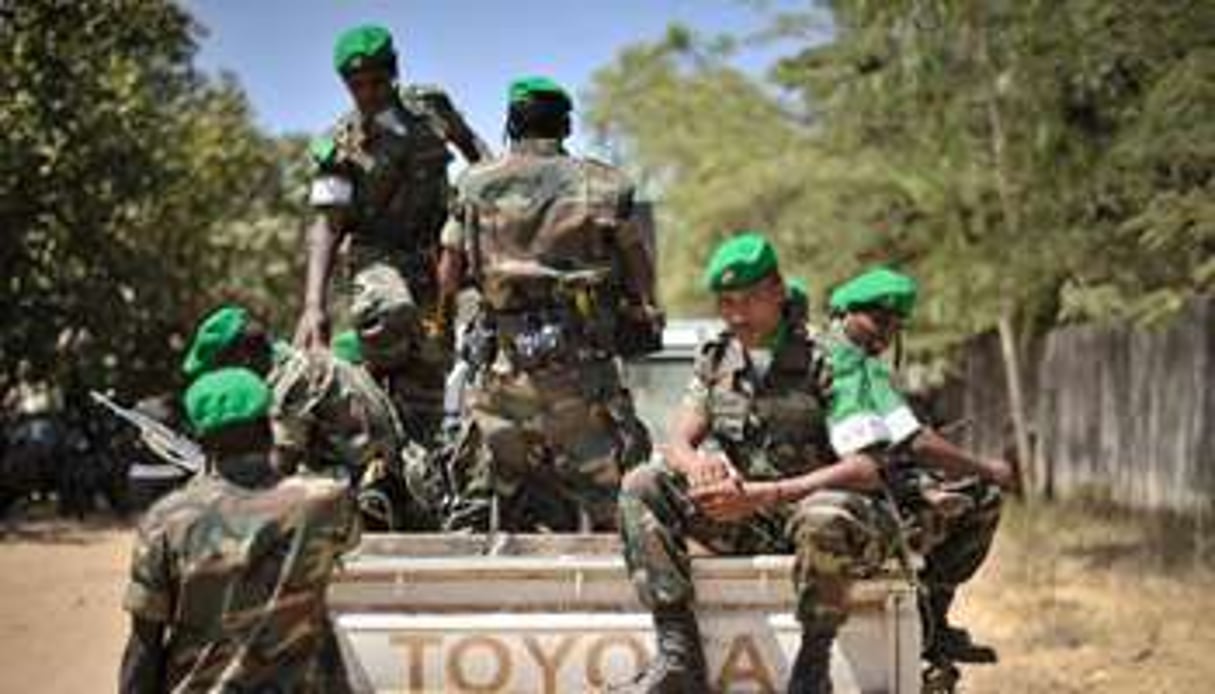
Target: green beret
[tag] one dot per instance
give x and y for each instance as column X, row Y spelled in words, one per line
column 347, row 346
column 216, row 333
column 364, row 45
column 226, row 397
column 740, row 262
column 878, row 287
column 525, row 88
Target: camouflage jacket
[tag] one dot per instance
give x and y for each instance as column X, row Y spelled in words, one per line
column 330, row 413
column 536, row 221
column 388, row 173
column 771, row 422
column 238, row 575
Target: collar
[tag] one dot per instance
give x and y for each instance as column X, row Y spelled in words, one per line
column 249, row 470
column 544, row 147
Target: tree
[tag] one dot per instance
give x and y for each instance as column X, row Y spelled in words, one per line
column 131, row 186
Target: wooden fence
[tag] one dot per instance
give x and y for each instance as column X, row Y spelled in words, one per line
column 1119, row 412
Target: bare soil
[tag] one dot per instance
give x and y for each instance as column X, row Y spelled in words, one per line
column 1075, row 601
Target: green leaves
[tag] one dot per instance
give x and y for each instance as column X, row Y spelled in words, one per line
column 1055, row 158
column 130, row 189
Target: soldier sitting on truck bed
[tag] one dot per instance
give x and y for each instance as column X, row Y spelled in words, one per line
column 761, row 392
column 953, row 493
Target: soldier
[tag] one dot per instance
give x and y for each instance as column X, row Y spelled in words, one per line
column 382, row 182
column 228, row 575
column 954, row 492
column 566, row 287
column 327, row 414
column 760, row 393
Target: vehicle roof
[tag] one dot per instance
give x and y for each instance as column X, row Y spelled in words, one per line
column 682, row 335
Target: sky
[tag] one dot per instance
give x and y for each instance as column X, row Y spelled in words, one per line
column 281, row 50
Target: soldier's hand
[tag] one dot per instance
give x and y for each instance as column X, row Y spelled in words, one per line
column 729, row 500
column 313, row 329
column 999, row 472
column 705, row 471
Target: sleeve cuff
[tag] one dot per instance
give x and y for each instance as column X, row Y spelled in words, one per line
column 330, row 191
column 901, row 424
column 858, row 432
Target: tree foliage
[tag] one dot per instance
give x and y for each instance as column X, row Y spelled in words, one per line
column 1051, row 161
column 134, row 194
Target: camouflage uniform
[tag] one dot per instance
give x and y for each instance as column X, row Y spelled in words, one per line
column 328, row 413
column 771, row 424
column 332, row 415
column 550, row 419
column 238, row 572
column 952, row 522
column 392, row 194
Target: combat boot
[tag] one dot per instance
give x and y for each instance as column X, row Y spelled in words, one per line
column 944, row 642
column 679, row 666
column 939, row 677
column 812, row 669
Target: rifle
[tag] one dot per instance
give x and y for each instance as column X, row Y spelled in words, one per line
column 168, row 445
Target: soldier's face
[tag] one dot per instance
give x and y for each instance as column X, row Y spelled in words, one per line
column 371, row 89
column 873, row 329
column 753, row 314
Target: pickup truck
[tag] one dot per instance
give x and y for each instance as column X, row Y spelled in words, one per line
column 557, row 613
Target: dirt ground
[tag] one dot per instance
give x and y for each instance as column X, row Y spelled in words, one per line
column 1076, row 601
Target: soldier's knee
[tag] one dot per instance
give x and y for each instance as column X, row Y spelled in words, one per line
column 989, row 507
column 834, row 536
column 822, row 545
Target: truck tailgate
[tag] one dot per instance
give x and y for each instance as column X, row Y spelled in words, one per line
column 557, row 613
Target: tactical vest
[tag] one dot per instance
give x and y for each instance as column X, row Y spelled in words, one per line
column 398, row 168
column 773, row 425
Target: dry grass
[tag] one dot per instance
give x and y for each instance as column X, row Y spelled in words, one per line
column 1087, row 598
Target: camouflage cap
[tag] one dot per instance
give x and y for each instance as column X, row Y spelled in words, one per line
column 364, row 46
column 347, row 346
column 878, row 287
column 526, row 88
column 740, row 261
column 226, row 397
column 217, row 332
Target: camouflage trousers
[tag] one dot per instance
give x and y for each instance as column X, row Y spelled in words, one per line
column 550, row 445
column 837, row 537
column 958, row 522
column 397, row 294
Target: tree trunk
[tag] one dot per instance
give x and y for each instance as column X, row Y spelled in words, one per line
column 1016, row 403
column 1012, row 225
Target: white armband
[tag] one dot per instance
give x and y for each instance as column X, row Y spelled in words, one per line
column 330, row 191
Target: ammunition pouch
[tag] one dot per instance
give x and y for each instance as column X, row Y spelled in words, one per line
column 538, row 338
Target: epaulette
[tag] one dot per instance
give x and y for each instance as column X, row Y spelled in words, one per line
column 430, row 95
column 598, row 166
